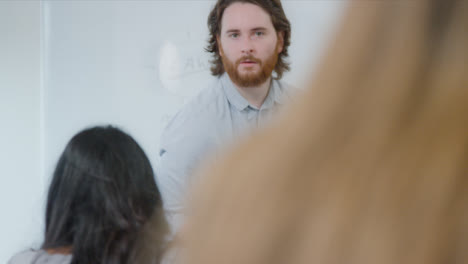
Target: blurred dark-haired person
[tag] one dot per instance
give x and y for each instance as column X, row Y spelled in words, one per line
column 101, row 195
column 249, row 41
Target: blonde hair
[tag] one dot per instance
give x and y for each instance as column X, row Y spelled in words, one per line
column 369, row 166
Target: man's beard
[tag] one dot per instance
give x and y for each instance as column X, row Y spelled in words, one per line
column 250, row 78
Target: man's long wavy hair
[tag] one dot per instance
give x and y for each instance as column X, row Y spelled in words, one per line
column 278, row 18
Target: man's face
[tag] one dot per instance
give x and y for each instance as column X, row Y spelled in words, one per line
column 248, row 44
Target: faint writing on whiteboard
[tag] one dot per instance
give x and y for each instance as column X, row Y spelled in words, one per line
column 184, row 67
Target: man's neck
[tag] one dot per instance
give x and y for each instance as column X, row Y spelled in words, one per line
column 255, row 95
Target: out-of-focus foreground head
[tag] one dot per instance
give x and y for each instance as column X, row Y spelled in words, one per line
column 101, row 195
column 370, row 166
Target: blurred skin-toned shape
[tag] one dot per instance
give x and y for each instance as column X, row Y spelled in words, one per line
column 370, row 165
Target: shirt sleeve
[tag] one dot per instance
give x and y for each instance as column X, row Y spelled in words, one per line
column 23, row 257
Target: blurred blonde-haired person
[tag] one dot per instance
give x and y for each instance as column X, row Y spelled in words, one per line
column 369, row 166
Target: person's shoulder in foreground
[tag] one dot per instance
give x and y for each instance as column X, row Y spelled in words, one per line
column 39, row 257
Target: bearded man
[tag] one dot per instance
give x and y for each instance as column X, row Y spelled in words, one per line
column 249, row 41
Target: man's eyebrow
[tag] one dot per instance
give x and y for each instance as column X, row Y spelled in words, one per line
column 259, row 29
column 232, row 31
column 253, row 29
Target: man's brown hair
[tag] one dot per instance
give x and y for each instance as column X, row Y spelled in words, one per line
column 278, row 18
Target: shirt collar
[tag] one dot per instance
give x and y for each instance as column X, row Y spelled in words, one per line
column 235, row 98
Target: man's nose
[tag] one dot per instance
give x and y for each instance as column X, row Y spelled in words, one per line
column 247, row 45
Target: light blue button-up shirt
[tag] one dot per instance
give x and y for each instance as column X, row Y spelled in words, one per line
column 215, row 117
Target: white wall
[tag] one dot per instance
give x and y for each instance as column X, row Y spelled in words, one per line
column 21, row 188
column 127, row 63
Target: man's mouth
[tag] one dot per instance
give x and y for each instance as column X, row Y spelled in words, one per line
column 248, row 62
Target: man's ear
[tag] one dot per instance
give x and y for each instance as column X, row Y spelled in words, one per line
column 280, row 44
column 220, row 48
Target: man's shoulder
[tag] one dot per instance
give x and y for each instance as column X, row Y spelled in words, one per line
column 199, row 111
column 206, row 98
column 286, row 91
